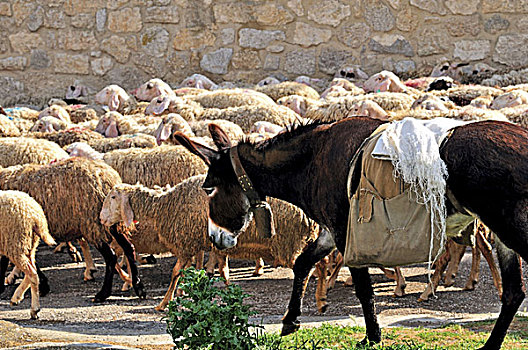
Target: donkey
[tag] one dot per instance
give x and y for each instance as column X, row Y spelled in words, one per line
column 308, row 166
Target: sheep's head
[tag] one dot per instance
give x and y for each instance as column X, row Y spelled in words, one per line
column 56, row 112
column 112, row 96
column 262, row 127
column 268, row 81
column 368, row 108
column 510, row 99
column 430, row 102
column 48, row 124
column 108, row 125
column 76, row 91
column 158, row 105
column 84, row 150
column 198, row 81
column 171, row 123
column 295, row 103
column 384, row 81
column 116, row 207
column 151, row 89
column 353, row 72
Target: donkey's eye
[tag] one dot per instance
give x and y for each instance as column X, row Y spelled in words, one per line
column 209, row 190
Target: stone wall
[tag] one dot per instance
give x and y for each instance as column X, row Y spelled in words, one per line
column 45, row 45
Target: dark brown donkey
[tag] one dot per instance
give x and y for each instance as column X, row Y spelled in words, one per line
column 308, row 166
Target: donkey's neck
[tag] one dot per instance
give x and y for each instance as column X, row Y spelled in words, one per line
column 279, row 171
column 310, row 169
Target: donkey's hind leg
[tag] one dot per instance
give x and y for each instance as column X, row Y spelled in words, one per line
column 365, row 294
column 512, row 296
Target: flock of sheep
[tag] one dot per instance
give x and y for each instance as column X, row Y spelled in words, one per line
column 72, row 170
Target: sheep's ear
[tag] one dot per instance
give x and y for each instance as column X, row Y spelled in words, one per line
column 127, row 215
column 205, row 153
column 220, row 138
column 113, row 104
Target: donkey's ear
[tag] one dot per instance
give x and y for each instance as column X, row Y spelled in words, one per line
column 205, row 153
column 220, row 138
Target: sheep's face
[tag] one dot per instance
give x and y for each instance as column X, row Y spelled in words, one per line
column 151, row 89
column 112, row 96
column 56, row 112
column 42, row 126
column 116, row 208
column 158, row 105
column 107, row 125
column 268, row 81
column 510, row 99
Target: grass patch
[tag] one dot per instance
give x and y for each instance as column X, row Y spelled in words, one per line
column 452, row 337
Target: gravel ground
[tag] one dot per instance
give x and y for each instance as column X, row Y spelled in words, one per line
column 68, row 313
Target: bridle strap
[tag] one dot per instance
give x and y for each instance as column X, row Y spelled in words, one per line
column 243, row 178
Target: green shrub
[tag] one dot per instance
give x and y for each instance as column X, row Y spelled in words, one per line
column 208, row 317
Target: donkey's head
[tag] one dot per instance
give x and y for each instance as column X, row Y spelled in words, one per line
column 233, row 202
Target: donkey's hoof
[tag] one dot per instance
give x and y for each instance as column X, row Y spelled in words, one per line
column 150, row 259
column 100, row 297
column 289, row 328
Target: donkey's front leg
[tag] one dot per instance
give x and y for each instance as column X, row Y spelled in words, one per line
column 314, row 252
column 365, row 294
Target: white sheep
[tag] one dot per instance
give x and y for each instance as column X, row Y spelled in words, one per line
column 22, row 225
column 150, row 167
column 179, row 218
column 22, row 150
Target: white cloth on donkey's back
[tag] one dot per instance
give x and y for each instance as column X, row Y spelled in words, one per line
column 413, row 147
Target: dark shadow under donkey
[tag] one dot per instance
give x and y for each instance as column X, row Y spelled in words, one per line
column 308, row 166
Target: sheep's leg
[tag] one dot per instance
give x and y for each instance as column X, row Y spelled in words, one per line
column 13, row 275
column 147, row 259
column 396, row 275
column 60, row 247
column 73, row 252
column 457, row 253
column 199, row 260
column 314, row 252
column 4, row 262
column 322, row 287
column 475, row 267
column 44, row 287
column 211, row 264
column 110, row 261
column 365, row 294
column 35, row 302
column 259, row 267
column 338, row 264
column 88, row 260
column 127, row 281
column 176, row 273
column 485, row 247
column 128, row 250
column 223, row 267
column 440, row 266
column 18, row 296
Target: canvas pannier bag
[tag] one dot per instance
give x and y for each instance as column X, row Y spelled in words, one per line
column 386, row 226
